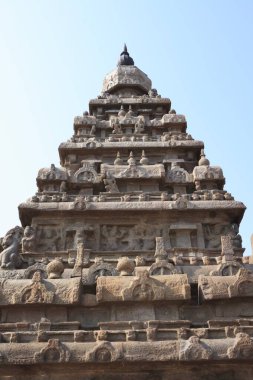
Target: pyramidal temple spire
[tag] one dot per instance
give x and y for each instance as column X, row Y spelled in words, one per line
column 125, row 59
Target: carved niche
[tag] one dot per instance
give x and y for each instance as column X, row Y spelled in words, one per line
column 86, row 174
column 103, row 352
column 163, row 267
column 53, row 352
column 48, row 237
column 213, row 233
column 183, row 235
column 37, row 267
column 36, row 292
column 143, row 288
column 230, row 268
column 178, row 175
column 194, row 349
column 100, row 268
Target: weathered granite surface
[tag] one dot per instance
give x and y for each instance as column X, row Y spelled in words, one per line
column 129, row 262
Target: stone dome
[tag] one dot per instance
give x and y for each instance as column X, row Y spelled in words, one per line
column 126, row 75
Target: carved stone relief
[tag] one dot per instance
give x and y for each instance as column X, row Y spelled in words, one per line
column 103, row 352
column 207, row 172
column 194, row 349
column 34, row 293
column 242, row 348
column 9, row 257
column 100, row 268
column 29, row 239
column 162, row 268
column 49, row 238
column 37, row 267
column 53, row 352
column 86, row 174
column 143, row 287
column 129, row 237
column 178, row 175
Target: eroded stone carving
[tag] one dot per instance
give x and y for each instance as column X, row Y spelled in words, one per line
column 162, row 268
column 55, row 268
column 103, row 352
column 178, row 175
column 227, row 250
column 133, row 186
column 87, row 173
column 142, row 288
column 100, row 268
column 206, row 172
column 37, row 267
column 242, row 348
column 80, row 203
column 9, row 257
column 111, row 185
column 125, row 266
column 34, row 293
column 82, row 259
column 29, row 239
column 230, row 286
column 194, row 349
column 243, row 284
column 213, row 233
column 53, row 352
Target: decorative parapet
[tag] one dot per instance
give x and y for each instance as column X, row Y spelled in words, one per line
column 133, row 171
column 143, row 288
column 40, row 291
column 195, row 348
column 205, row 172
column 222, row 287
column 169, row 119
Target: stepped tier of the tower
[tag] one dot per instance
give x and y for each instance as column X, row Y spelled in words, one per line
column 128, row 252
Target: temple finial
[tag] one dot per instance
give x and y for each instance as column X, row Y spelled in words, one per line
column 125, row 59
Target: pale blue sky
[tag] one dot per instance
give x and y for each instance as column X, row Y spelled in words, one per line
column 54, row 55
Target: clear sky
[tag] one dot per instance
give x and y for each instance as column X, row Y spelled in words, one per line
column 54, row 55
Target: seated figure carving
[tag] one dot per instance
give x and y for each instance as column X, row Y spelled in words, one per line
column 28, row 241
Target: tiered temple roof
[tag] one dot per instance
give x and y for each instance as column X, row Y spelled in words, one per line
column 129, row 253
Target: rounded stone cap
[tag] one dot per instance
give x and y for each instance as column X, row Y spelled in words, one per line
column 203, row 160
column 126, row 76
column 125, row 58
column 55, row 268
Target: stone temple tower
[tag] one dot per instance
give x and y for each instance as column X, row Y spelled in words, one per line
column 129, row 262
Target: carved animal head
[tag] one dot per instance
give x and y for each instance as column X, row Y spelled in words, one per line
column 13, row 235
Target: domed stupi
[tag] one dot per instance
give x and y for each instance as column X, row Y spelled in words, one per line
column 129, row 263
